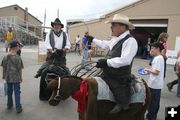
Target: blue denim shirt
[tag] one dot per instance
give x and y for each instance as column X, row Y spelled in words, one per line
column 85, row 42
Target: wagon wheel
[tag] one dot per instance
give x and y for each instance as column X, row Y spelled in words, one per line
column 92, row 72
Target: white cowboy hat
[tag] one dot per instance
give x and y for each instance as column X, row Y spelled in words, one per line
column 120, row 18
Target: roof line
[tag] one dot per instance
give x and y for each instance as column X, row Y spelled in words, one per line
column 86, row 22
column 21, row 9
column 104, row 16
column 125, row 7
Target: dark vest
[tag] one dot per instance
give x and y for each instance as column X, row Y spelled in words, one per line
column 62, row 59
column 52, row 42
column 121, row 72
column 119, row 79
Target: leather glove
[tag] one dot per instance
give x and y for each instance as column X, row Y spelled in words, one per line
column 90, row 38
column 59, row 52
column 102, row 63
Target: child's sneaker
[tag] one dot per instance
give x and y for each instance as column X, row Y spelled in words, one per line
column 9, row 107
column 19, row 110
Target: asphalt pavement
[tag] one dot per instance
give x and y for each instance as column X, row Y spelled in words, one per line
column 34, row 109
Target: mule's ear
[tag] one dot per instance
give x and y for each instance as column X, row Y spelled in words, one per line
column 52, row 84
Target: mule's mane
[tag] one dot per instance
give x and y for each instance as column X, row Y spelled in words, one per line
column 70, row 76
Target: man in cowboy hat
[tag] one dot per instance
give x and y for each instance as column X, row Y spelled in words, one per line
column 117, row 65
column 86, row 46
column 56, row 41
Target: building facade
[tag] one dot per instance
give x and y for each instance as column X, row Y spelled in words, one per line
column 27, row 27
column 150, row 18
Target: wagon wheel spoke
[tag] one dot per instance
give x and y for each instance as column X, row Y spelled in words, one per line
column 78, row 71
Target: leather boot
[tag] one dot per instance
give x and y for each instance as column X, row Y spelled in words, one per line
column 117, row 108
column 170, row 86
column 37, row 75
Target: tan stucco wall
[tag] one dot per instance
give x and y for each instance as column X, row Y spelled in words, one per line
column 145, row 9
column 98, row 29
column 154, row 8
column 158, row 9
column 173, row 30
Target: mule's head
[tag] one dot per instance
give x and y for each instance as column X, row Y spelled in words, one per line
column 64, row 86
column 52, row 81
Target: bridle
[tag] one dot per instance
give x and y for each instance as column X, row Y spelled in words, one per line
column 58, row 97
column 75, row 72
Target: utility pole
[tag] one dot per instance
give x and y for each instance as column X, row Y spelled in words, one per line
column 58, row 13
column 43, row 31
column 44, row 19
column 26, row 18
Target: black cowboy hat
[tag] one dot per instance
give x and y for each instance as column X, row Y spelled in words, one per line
column 57, row 21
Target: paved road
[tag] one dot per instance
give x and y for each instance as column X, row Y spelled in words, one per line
column 34, row 109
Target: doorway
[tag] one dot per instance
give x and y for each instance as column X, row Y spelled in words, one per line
column 145, row 36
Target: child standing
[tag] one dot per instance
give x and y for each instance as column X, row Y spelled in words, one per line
column 12, row 72
column 163, row 37
column 156, row 80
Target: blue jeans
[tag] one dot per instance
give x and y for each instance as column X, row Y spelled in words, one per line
column 154, row 104
column 77, row 47
column 84, row 57
column 178, row 88
column 16, row 88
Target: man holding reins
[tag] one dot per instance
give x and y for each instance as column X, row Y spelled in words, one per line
column 56, row 41
column 118, row 63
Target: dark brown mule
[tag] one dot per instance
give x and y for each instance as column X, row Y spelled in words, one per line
column 97, row 110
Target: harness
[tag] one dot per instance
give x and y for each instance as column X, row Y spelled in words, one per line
column 57, row 97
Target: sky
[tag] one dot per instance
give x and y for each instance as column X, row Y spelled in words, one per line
column 68, row 9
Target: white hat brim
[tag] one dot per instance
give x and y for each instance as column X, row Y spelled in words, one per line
column 129, row 24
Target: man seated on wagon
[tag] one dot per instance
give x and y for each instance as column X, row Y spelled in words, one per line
column 118, row 63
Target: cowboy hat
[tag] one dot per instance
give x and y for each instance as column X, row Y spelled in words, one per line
column 57, row 21
column 123, row 19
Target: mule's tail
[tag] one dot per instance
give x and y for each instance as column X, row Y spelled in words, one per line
column 147, row 99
